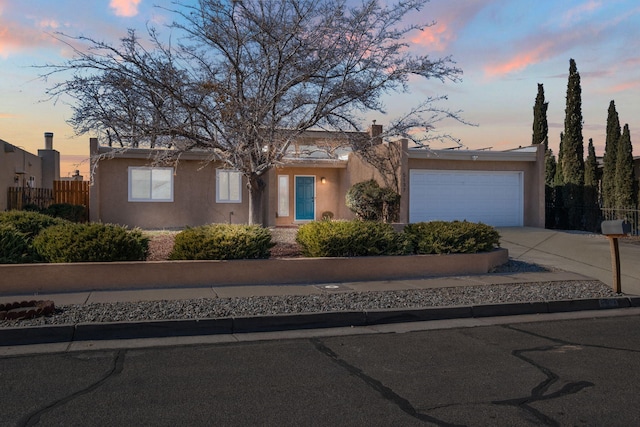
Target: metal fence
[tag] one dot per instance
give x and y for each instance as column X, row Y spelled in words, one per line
column 631, row 215
column 590, row 218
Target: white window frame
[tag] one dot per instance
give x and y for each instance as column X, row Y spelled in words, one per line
column 283, row 195
column 152, row 187
column 228, row 178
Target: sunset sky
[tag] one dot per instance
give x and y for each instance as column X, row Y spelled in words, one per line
column 504, row 47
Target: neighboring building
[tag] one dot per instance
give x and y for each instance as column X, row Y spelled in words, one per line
column 497, row 188
column 21, row 169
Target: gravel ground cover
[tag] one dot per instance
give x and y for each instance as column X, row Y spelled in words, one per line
column 328, row 302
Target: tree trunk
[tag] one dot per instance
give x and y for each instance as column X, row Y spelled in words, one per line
column 256, row 192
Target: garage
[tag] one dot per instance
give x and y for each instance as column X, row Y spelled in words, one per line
column 491, row 197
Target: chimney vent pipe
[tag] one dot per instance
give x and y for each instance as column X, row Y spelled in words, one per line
column 48, row 140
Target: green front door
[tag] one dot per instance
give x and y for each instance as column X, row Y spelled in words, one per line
column 305, row 198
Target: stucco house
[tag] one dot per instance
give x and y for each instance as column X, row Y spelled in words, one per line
column 501, row 188
column 23, row 170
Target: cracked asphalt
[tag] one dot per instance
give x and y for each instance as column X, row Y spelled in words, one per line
column 578, row 372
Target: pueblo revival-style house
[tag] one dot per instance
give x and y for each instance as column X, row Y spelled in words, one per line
column 499, row 188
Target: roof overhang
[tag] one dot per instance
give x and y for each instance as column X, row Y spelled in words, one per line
column 526, row 154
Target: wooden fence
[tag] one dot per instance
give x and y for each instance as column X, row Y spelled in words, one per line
column 19, row 198
column 71, row 192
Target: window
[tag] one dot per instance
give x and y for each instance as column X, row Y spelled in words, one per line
column 150, row 184
column 228, row 186
column 283, row 195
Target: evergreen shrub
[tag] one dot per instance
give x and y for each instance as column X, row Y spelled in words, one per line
column 349, row 239
column 441, row 237
column 370, row 202
column 222, row 242
column 95, row 242
column 28, row 222
column 14, row 246
column 74, row 213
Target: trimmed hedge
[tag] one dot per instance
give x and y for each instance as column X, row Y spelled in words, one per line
column 72, row 242
column 349, row 238
column 222, row 242
column 441, row 237
column 369, row 238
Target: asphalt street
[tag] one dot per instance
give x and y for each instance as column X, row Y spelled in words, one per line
column 562, row 372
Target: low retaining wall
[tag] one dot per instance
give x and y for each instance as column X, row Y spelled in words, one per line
column 48, row 278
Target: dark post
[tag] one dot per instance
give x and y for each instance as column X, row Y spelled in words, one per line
column 614, row 230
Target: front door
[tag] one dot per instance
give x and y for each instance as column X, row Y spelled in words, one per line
column 305, row 198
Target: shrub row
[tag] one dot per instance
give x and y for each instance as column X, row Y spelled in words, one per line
column 366, row 238
column 34, row 237
column 222, row 242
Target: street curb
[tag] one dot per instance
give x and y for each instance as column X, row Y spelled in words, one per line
column 282, row 322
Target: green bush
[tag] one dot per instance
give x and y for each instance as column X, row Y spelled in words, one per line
column 370, row 202
column 74, row 213
column 222, row 242
column 28, row 222
column 14, row 246
column 72, row 242
column 440, row 237
column 349, row 238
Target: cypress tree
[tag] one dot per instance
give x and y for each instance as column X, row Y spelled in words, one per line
column 625, row 189
column 610, row 152
column 549, row 188
column 540, row 125
column 558, row 178
column 550, row 168
column 573, row 150
column 560, row 215
column 592, row 211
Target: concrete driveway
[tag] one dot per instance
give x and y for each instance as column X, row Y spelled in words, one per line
column 578, row 252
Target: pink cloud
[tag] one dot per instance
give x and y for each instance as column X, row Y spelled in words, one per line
column 436, row 37
column 577, row 12
column 15, row 38
column 521, row 60
column 625, row 86
column 126, row 8
column 449, row 22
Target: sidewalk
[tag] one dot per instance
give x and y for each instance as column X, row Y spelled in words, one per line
column 89, row 297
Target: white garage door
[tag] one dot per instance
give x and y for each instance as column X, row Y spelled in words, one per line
column 493, row 198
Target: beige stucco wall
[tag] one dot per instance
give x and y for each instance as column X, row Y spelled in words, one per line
column 194, row 198
column 47, row 278
column 13, row 161
column 533, row 180
column 329, row 195
column 195, row 190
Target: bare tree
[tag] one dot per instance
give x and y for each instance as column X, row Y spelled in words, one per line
column 247, row 77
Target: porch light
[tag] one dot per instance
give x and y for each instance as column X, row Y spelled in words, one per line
column 323, row 180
